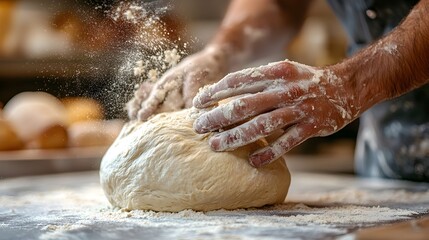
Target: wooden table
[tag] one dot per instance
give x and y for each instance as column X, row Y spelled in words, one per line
column 72, row 206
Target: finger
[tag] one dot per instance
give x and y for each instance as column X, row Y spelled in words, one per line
column 261, row 126
column 227, row 87
column 192, row 83
column 133, row 106
column 158, row 95
column 244, row 81
column 247, row 81
column 147, row 109
column 173, row 102
column 292, row 137
column 144, row 90
column 287, row 70
column 236, row 111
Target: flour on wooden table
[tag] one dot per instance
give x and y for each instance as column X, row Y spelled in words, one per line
column 357, row 196
column 89, row 207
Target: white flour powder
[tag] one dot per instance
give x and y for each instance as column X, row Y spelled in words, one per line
column 89, row 207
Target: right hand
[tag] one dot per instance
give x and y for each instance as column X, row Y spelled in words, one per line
column 290, row 98
column 178, row 86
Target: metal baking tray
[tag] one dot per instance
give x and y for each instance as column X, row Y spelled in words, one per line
column 38, row 161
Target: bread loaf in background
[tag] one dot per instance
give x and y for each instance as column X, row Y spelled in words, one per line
column 8, row 138
column 81, row 109
column 94, row 133
column 39, row 119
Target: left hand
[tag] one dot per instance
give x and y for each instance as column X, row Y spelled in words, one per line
column 178, row 86
column 301, row 100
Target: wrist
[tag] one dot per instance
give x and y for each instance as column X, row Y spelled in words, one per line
column 359, row 84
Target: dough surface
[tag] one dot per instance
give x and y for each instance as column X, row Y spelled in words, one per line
column 163, row 165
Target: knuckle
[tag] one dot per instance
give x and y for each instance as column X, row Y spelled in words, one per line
column 232, row 80
column 206, row 121
column 239, row 106
column 234, row 138
column 288, row 70
column 264, row 125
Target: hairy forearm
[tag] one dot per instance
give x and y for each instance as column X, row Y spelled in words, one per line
column 252, row 29
column 394, row 65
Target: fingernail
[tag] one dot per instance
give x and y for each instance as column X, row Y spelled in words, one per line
column 198, row 126
column 215, row 143
column 196, row 102
column 261, row 159
column 254, row 162
column 142, row 115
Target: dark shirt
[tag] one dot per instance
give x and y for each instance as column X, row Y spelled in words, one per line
column 368, row 20
column 392, row 135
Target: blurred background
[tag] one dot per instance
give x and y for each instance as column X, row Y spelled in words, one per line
column 79, row 57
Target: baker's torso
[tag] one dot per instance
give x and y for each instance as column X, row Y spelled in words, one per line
column 393, row 139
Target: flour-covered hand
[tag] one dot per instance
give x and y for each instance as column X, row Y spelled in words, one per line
column 300, row 100
column 177, row 87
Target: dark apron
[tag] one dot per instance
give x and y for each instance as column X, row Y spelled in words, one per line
column 393, row 139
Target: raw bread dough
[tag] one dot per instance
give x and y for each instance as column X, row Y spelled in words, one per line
column 163, row 165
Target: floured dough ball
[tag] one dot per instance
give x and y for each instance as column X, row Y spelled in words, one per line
column 81, row 109
column 163, row 165
column 39, row 119
column 94, row 133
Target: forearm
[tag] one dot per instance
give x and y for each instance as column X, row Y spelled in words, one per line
column 252, row 29
column 394, row 65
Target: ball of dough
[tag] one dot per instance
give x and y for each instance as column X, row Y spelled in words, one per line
column 81, row 109
column 38, row 118
column 163, row 165
column 94, row 133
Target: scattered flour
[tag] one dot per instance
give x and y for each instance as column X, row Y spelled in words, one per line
column 152, row 75
column 154, row 47
column 171, row 57
column 62, row 213
column 317, row 76
column 391, row 48
column 357, row 196
column 160, row 62
column 256, row 73
column 66, row 227
column 384, row 46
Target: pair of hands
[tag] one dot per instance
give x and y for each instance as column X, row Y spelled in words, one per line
column 287, row 100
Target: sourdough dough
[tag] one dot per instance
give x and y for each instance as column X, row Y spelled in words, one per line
column 163, row 165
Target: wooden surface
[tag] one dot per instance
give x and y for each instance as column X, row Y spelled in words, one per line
column 72, row 206
column 411, row 230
